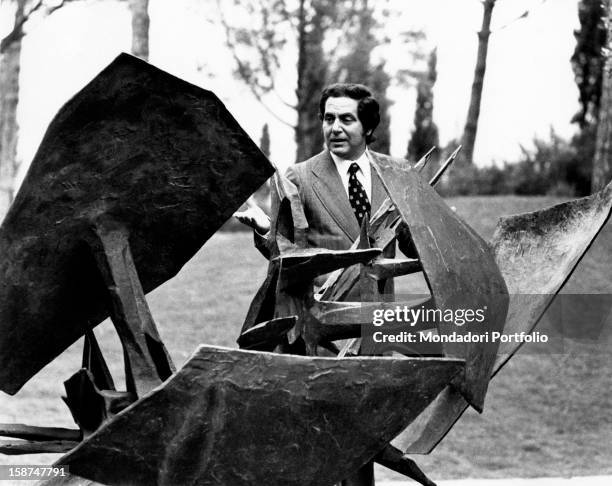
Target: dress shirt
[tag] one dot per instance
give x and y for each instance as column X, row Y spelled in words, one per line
column 364, row 174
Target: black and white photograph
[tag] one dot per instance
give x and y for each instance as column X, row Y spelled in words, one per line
column 306, row 242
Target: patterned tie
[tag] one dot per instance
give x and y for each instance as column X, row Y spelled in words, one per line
column 357, row 195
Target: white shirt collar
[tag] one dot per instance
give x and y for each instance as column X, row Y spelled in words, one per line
column 364, row 175
column 342, row 165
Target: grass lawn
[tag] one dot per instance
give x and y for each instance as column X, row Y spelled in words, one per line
column 544, row 414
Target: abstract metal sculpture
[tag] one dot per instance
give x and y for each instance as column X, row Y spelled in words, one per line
column 139, row 170
column 536, row 253
column 251, row 417
column 134, row 174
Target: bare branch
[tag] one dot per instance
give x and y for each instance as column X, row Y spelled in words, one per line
column 245, row 73
column 269, row 110
column 524, row 15
column 52, row 9
column 17, row 33
column 283, row 101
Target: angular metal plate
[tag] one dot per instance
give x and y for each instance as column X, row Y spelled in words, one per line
column 239, row 418
column 459, row 267
column 153, row 153
column 537, row 253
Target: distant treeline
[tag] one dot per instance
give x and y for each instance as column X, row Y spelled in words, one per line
column 554, row 166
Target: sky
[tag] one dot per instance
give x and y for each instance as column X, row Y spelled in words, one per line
column 529, row 85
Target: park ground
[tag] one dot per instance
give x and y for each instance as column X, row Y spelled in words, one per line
column 545, row 414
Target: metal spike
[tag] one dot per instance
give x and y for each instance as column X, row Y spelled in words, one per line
column 434, row 180
column 420, row 165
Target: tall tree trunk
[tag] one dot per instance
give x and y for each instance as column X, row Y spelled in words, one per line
column 9, row 99
column 140, row 28
column 357, row 67
column 425, row 133
column 602, row 162
column 301, row 68
column 471, row 124
column 311, row 79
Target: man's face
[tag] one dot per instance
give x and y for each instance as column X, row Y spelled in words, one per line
column 342, row 130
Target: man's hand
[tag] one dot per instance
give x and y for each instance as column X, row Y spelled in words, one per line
column 254, row 217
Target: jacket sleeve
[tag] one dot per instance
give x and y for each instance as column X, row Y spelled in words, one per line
column 261, row 241
column 262, row 244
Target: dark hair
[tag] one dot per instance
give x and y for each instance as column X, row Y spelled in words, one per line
column 367, row 106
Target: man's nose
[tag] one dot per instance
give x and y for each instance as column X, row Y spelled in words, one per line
column 336, row 126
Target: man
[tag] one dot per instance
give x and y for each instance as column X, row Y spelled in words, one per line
column 338, row 187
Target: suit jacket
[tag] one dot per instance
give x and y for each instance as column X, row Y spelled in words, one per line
column 331, row 220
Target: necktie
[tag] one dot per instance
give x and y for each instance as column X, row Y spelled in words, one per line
column 357, row 195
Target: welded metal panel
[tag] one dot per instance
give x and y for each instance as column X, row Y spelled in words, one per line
column 459, row 267
column 155, row 155
column 537, row 253
column 239, row 418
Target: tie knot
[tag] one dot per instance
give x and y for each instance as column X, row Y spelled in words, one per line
column 354, row 168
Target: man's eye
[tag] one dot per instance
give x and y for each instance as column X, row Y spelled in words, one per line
column 347, row 119
column 329, row 119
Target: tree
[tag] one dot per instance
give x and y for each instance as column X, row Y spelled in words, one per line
column 262, row 195
column 311, row 77
column 356, row 66
column 379, row 82
column 309, row 25
column 588, row 63
column 471, row 124
column 140, row 28
column 425, row 132
column 588, row 60
column 10, row 66
column 257, row 48
column 602, row 162
column 264, row 141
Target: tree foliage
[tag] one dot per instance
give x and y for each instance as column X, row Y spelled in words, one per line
column 602, row 161
column 334, row 41
column 357, row 66
column 554, row 166
column 264, row 141
column 312, row 73
column 425, row 132
column 588, row 60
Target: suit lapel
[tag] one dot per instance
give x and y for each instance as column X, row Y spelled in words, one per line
column 330, row 191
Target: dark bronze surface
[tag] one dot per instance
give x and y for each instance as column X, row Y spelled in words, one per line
column 537, row 253
column 266, row 335
column 301, row 265
column 240, row 418
column 30, row 432
column 459, row 268
column 134, row 174
column 136, row 146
